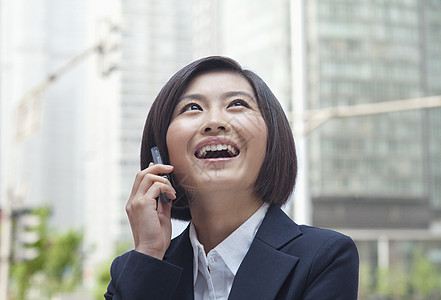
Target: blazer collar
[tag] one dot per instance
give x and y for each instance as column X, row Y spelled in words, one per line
column 277, row 229
column 265, row 267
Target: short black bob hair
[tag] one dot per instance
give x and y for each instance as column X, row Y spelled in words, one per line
column 278, row 172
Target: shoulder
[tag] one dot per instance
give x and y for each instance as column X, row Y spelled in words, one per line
column 315, row 243
column 312, row 245
column 326, row 260
column 280, row 231
column 328, row 255
column 328, row 263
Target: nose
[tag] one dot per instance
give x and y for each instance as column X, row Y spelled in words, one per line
column 214, row 127
column 215, row 123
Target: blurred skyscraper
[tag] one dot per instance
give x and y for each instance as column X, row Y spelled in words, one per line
column 376, row 176
column 365, row 52
column 67, row 159
column 36, row 39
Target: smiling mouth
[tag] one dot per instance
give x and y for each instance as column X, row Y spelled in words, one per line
column 217, row 151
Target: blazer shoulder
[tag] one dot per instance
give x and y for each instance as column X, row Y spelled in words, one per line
column 332, row 264
column 321, row 240
column 321, row 235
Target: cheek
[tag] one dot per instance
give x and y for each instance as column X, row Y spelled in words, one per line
column 178, row 137
column 172, row 144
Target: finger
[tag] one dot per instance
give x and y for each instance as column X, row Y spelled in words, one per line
column 159, row 187
column 160, row 168
column 148, row 181
column 138, row 179
column 152, row 169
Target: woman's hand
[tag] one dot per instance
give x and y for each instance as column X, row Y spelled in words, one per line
column 151, row 225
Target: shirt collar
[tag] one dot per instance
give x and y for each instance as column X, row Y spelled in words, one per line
column 234, row 248
column 198, row 251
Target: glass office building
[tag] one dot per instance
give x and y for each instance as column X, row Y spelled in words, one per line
column 376, row 177
column 367, row 52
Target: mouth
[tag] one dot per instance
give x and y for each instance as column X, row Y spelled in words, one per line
column 217, row 150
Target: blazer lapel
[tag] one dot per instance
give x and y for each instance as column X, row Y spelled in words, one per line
column 265, row 268
column 180, row 253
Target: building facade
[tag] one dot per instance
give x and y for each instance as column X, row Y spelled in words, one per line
column 381, row 160
column 375, row 177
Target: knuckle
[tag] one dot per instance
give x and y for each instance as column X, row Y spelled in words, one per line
column 156, row 185
column 128, row 207
column 140, row 175
column 149, row 176
column 159, row 185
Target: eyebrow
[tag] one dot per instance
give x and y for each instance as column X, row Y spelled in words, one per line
column 226, row 95
column 240, row 93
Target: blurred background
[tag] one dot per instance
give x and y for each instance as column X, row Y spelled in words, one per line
column 359, row 80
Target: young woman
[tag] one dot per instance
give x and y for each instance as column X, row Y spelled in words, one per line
column 230, row 154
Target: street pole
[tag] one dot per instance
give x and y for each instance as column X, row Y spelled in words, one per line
column 313, row 119
column 301, row 212
column 6, row 221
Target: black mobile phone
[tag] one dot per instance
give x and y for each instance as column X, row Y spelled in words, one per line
column 157, row 159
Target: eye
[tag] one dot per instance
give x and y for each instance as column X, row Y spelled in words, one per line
column 191, row 106
column 238, row 102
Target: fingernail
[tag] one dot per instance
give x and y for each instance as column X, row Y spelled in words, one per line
column 171, row 195
column 168, row 166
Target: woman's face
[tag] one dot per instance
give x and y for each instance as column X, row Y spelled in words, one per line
column 217, row 137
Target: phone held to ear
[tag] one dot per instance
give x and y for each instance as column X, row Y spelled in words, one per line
column 157, row 159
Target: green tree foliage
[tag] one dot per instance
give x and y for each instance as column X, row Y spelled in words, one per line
column 418, row 280
column 56, row 268
column 102, row 279
column 392, row 283
column 366, row 284
column 425, row 278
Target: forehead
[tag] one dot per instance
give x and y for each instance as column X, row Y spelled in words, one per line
column 215, row 82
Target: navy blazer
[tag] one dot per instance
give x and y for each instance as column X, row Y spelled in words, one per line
column 285, row 261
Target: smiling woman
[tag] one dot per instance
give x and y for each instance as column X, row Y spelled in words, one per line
column 230, row 154
column 280, row 155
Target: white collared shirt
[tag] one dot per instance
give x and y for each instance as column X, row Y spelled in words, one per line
column 214, row 273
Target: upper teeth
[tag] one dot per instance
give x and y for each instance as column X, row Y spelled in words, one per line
column 216, row 147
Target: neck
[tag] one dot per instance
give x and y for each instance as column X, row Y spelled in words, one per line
column 215, row 217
